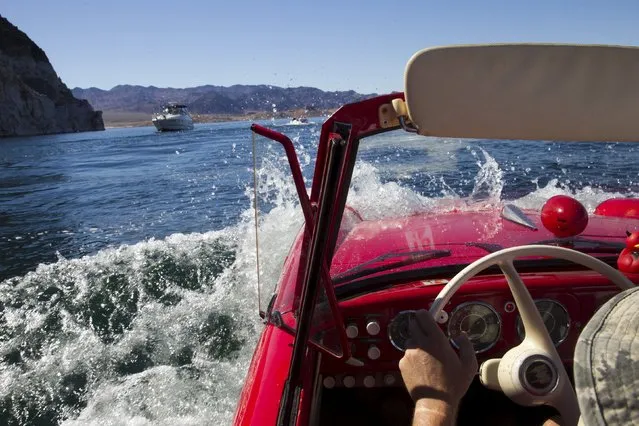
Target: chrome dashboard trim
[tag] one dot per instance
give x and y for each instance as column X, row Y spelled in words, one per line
column 475, row 302
column 390, row 323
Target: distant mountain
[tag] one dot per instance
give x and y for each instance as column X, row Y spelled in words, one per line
column 238, row 99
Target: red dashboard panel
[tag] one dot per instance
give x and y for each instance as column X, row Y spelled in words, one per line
column 368, row 317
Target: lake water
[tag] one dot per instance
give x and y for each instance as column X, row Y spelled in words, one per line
column 127, row 266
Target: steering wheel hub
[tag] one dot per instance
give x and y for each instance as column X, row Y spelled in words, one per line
column 538, row 375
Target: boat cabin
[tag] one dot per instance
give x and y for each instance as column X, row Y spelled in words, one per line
column 521, row 281
column 174, row 109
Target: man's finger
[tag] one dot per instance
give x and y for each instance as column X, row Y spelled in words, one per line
column 427, row 322
column 410, row 344
column 467, row 355
column 417, row 335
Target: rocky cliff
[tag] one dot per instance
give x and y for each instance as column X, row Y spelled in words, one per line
column 33, row 99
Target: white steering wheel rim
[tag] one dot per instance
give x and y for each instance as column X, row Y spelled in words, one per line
column 537, row 341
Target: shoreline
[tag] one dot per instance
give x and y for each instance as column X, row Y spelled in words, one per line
column 118, row 119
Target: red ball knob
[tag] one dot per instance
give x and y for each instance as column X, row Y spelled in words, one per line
column 564, row 216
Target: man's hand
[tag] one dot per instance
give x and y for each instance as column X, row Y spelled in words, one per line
column 434, row 375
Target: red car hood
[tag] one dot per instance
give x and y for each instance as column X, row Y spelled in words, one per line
column 463, row 233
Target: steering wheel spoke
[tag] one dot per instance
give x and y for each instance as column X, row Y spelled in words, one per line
column 489, row 374
column 531, row 319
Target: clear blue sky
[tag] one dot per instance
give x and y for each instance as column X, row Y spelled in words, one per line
column 333, row 45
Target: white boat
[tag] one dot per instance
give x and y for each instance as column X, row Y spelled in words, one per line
column 298, row 121
column 173, row 117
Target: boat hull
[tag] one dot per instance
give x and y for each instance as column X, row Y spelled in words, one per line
column 173, row 123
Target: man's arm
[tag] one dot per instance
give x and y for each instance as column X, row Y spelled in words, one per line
column 434, row 413
column 435, row 377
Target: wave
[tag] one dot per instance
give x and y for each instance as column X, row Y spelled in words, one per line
column 162, row 331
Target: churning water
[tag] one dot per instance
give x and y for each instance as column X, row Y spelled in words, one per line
column 127, row 268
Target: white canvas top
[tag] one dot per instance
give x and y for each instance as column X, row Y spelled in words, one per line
column 525, row 91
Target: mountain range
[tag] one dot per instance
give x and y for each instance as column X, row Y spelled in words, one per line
column 237, row 99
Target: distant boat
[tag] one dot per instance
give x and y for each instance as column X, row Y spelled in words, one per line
column 174, row 116
column 295, row 121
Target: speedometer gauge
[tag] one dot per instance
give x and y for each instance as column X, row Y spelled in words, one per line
column 555, row 318
column 479, row 321
column 399, row 329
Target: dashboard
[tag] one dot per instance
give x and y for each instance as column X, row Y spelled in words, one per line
column 482, row 323
column 377, row 324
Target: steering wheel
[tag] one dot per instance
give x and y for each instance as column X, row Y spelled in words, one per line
column 531, row 373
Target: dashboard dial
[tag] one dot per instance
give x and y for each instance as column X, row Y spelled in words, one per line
column 398, row 329
column 555, row 318
column 479, row 321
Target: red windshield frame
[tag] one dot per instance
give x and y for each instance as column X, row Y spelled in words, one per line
column 346, row 126
column 337, row 150
column 363, row 119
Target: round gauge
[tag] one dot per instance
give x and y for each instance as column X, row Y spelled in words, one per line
column 479, row 321
column 398, row 329
column 555, row 318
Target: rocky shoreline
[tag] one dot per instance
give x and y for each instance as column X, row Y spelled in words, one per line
column 33, row 99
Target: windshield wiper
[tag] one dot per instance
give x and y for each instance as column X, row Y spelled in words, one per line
column 489, row 247
column 585, row 245
column 410, row 258
column 371, row 284
column 581, row 244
